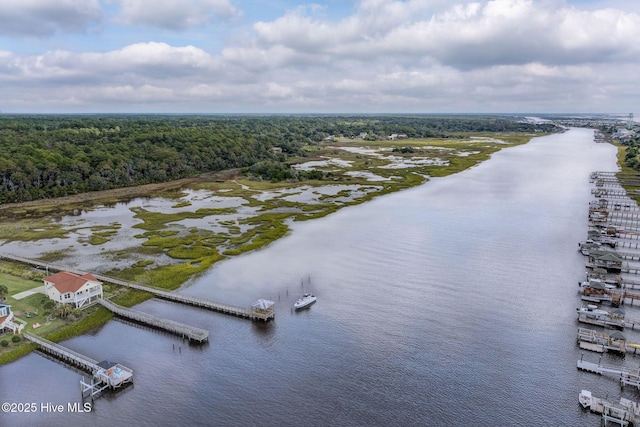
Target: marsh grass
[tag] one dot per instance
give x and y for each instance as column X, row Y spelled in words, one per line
column 26, row 230
column 172, row 276
column 158, row 220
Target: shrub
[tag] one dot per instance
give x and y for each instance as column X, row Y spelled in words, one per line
column 4, row 343
column 15, row 338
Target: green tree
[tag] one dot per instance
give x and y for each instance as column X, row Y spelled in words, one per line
column 48, row 305
column 4, row 292
column 63, row 310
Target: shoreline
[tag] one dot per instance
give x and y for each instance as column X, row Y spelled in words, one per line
column 270, row 228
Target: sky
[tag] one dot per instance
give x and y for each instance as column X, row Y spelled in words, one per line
column 331, row 56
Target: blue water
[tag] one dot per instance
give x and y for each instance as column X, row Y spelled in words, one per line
column 449, row 304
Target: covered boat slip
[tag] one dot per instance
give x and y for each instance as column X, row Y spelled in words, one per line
column 590, row 339
column 105, row 374
column 262, row 310
column 624, row 413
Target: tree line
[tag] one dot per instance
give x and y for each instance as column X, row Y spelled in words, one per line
column 50, row 156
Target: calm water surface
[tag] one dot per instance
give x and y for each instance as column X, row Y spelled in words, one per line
column 450, row 304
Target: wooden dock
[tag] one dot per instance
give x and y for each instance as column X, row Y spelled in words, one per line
column 248, row 313
column 592, row 340
column 229, row 309
column 104, row 374
column 626, row 376
column 180, row 329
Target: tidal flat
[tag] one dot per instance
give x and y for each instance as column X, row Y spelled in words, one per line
column 164, row 238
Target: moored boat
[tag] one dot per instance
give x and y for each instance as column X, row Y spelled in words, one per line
column 305, row 301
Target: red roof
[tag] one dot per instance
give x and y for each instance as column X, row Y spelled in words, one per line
column 69, row 282
column 2, row 319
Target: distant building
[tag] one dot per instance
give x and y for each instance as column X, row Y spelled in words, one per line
column 624, row 135
column 362, row 135
column 276, row 150
column 70, row 288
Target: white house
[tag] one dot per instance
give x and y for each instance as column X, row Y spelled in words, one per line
column 70, row 288
column 7, row 320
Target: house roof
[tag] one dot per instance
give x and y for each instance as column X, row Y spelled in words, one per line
column 2, row 319
column 263, row 304
column 69, row 282
column 607, row 256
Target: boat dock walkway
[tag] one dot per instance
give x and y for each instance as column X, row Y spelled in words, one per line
column 233, row 310
column 185, row 331
column 626, row 376
column 104, row 374
column 247, row 313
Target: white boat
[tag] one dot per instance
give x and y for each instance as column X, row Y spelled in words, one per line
column 592, row 311
column 305, row 301
column 585, row 399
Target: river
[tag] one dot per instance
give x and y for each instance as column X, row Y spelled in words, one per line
column 449, row 304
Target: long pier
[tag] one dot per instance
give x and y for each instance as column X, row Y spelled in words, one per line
column 247, row 313
column 190, row 300
column 106, row 375
column 186, row 331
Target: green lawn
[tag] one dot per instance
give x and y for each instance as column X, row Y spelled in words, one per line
column 17, row 284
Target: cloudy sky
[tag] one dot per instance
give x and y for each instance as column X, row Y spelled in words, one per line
column 329, row 56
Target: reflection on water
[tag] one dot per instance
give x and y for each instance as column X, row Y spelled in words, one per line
column 449, row 304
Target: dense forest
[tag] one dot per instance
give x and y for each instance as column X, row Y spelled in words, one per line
column 49, row 156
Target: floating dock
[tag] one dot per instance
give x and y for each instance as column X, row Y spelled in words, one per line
column 104, row 374
column 180, row 329
column 626, row 376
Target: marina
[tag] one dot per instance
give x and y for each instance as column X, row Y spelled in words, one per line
column 614, row 224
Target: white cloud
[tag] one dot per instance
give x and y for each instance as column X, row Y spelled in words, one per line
column 469, row 35
column 139, row 62
column 173, row 14
column 415, row 55
column 40, row 18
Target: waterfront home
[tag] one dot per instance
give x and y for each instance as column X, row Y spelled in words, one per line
column 70, row 288
column 8, row 322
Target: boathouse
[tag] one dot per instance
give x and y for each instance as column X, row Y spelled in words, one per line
column 262, row 309
column 610, row 261
column 8, row 322
column 70, row 288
